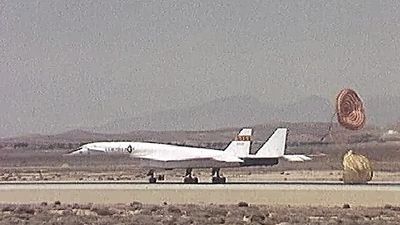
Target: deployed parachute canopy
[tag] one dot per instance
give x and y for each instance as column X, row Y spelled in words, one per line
column 350, row 110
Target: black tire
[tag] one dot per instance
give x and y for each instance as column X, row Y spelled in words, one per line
column 218, row 180
column 152, row 180
column 190, row 180
column 186, row 180
column 223, row 180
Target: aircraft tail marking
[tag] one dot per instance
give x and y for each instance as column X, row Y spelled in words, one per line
column 240, row 147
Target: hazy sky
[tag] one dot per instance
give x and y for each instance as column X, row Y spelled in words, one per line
column 74, row 63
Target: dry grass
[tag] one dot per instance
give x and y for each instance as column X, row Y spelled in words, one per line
column 137, row 213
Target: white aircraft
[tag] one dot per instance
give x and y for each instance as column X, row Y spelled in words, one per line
column 166, row 156
column 127, row 147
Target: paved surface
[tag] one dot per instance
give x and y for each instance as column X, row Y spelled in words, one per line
column 176, row 182
column 262, row 193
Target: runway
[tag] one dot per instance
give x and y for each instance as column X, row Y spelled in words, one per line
column 138, row 182
column 272, row 193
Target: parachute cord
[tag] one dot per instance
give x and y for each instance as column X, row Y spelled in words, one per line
column 329, row 129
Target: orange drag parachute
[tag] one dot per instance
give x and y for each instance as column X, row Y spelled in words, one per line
column 357, row 169
column 350, row 110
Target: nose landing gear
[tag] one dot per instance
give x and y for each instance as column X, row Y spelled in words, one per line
column 152, row 179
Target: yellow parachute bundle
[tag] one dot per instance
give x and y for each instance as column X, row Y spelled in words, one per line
column 357, row 169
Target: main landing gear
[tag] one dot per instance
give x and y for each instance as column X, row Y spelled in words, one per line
column 189, row 178
column 216, row 178
column 153, row 179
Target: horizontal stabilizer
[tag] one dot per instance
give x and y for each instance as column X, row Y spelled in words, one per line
column 227, row 158
column 296, row 158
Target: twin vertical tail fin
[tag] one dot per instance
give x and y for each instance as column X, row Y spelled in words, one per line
column 240, row 147
column 275, row 146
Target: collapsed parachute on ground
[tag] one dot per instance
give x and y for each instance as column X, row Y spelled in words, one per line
column 357, row 169
column 350, row 110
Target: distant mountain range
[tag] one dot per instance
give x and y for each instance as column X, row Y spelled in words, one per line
column 309, row 132
column 219, row 120
column 241, row 111
column 234, row 111
column 244, row 111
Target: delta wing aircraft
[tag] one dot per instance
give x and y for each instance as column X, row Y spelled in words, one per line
column 166, row 156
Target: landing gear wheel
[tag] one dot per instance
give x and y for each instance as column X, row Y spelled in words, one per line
column 152, row 178
column 223, row 180
column 190, row 180
column 218, row 180
column 186, row 180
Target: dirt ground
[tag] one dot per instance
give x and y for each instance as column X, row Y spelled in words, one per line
column 241, row 213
